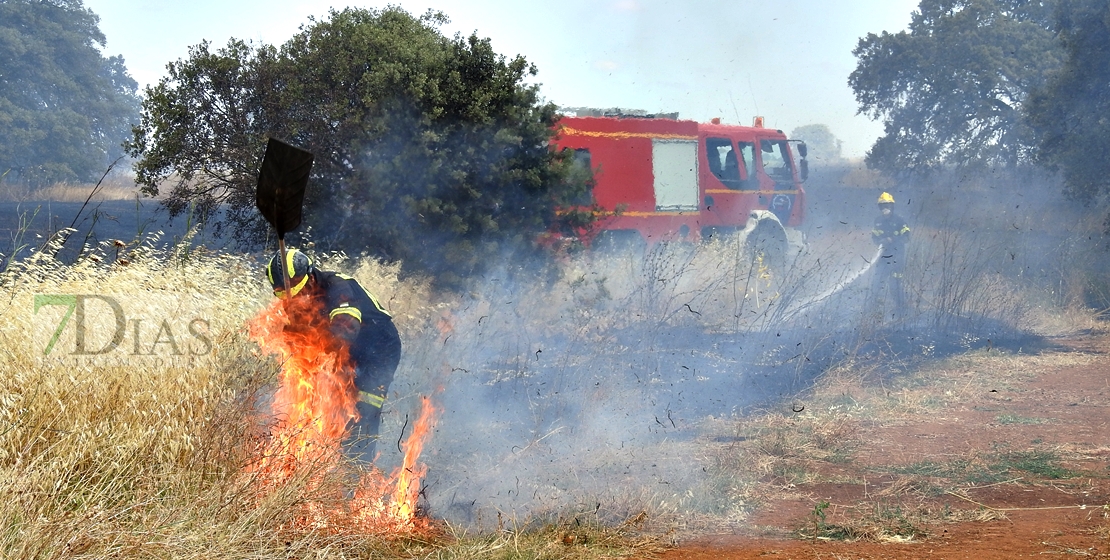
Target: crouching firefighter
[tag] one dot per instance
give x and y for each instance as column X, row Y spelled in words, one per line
column 357, row 320
column 890, row 234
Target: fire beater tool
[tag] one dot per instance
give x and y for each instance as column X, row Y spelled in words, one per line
column 280, row 195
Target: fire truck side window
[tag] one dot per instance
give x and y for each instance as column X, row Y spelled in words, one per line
column 747, row 150
column 722, row 161
column 582, row 159
column 582, row 167
column 776, row 163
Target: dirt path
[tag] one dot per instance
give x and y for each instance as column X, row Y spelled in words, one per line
column 992, row 456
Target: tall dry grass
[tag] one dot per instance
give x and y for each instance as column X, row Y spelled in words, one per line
column 115, row 186
column 139, row 451
column 981, row 258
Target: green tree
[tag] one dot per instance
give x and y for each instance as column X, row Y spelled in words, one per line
column 824, row 147
column 65, row 110
column 951, row 90
column 1070, row 113
column 429, row 149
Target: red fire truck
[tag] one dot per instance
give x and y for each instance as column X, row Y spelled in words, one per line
column 660, row 178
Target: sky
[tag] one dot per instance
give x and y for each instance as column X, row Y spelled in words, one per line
column 785, row 60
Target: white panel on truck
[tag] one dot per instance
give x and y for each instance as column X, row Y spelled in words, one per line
column 675, row 166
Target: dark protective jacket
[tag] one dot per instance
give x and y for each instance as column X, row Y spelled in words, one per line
column 892, row 233
column 339, row 303
column 357, row 318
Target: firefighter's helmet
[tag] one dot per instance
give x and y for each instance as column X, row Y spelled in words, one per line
column 297, row 264
column 885, row 198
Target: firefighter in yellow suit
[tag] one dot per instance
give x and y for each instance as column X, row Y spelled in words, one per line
column 891, row 234
column 359, row 321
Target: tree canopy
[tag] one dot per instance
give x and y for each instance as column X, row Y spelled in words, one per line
column 429, row 149
column 824, row 147
column 1070, row 113
column 65, row 109
column 951, row 90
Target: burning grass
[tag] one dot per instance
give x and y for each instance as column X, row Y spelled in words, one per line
column 314, row 402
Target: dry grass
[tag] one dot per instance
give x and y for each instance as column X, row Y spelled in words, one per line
column 134, row 452
column 572, row 538
column 765, row 456
column 139, row 452
column 1104, row 530
column 116, row 186
column 886, row 520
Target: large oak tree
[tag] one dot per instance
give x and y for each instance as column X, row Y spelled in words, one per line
column 951, row 90
column 65, row 109
column 429, row 149
column 1071, row 113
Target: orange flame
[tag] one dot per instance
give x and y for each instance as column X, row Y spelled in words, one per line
column 314, row 405
column 405, row 481
column 409, row 475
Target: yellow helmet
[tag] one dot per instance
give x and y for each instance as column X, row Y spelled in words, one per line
column 885, row 198
column 297, row 264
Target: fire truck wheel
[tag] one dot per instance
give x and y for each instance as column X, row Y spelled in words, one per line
column 767, row 242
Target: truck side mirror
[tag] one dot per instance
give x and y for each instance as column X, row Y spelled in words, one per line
column 802, row 150
column 804, row 165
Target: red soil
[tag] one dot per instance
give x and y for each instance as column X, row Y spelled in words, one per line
column 1031, row 516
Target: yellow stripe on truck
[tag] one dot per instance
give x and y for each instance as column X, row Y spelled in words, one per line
column 731, row 191
column 566, row 130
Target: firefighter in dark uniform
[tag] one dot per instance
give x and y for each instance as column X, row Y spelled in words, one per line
column 891, row 234
column 357, row 320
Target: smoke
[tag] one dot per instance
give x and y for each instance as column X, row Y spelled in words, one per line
column 593, row 393
column 586, row 393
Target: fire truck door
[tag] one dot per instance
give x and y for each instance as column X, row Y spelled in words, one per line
column 675, row 167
